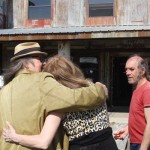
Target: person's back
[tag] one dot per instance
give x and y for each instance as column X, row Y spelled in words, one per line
column 20, row 97
column 85, row 123
column 26, row 101
column 23, row 102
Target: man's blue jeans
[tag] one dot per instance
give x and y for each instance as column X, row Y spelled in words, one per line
column 134, row 146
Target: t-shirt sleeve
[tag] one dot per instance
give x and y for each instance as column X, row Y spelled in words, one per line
column 146, row 97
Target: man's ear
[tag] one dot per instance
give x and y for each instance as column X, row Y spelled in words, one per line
column 143, row 71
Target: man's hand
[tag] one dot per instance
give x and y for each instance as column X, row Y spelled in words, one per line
column 121, row 133
column 9, row 133
column 104, row 87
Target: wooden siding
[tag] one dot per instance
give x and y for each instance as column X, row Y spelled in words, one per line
column 67, row 13
column 133, row 12
column 2, row 21
column 19, row 14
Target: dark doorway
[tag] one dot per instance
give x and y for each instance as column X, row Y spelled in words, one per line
column 89, row 66
column 122, row 91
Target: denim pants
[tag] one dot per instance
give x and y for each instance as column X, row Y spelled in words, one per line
column 134, row 146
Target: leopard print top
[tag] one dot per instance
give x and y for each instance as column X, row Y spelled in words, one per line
column 77, row 124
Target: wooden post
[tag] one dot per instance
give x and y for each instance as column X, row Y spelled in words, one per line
column 64, row 49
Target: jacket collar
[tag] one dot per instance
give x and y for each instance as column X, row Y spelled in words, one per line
column 24, row 71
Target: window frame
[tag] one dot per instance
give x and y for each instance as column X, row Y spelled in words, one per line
column 100, row 20
column 35, row 23
column 40, row 6
column 101, row 6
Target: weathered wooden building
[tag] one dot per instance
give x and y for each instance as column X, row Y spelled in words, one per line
column 98, row 35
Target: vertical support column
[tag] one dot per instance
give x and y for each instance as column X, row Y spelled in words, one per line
column 1, row 78
column 1, row 48
column 64, row 48
column 107, row 69
column 19, row 13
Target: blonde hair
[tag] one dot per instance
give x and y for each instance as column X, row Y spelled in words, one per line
column 65, row 72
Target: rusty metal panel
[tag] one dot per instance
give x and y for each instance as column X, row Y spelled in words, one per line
column 75, row 33
column 73, row 36
column 76, row 30
column 99, row 21
column 132, row 12
column 42, row 23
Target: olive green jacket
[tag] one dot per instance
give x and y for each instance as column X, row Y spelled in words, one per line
column 29, row 97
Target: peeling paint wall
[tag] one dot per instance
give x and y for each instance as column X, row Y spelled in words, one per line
column 133, row 12
column 67, row 13
column 19, row 13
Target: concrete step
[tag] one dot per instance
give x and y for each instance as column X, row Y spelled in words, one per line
column 117, row 121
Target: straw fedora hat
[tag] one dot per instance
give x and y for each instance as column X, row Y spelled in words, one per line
column 26, row 49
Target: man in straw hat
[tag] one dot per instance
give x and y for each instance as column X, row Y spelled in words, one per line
column 29, row 95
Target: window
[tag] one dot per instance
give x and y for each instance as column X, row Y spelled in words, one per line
column 100, row 8
column 39, row 9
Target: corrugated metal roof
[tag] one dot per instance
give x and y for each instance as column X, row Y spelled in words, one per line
column 72, row 30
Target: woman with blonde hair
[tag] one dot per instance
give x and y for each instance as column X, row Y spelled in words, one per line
column 86, row 130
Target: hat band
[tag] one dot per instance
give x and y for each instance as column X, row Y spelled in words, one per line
column 25, row 51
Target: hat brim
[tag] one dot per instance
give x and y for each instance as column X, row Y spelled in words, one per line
column 28, row 54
